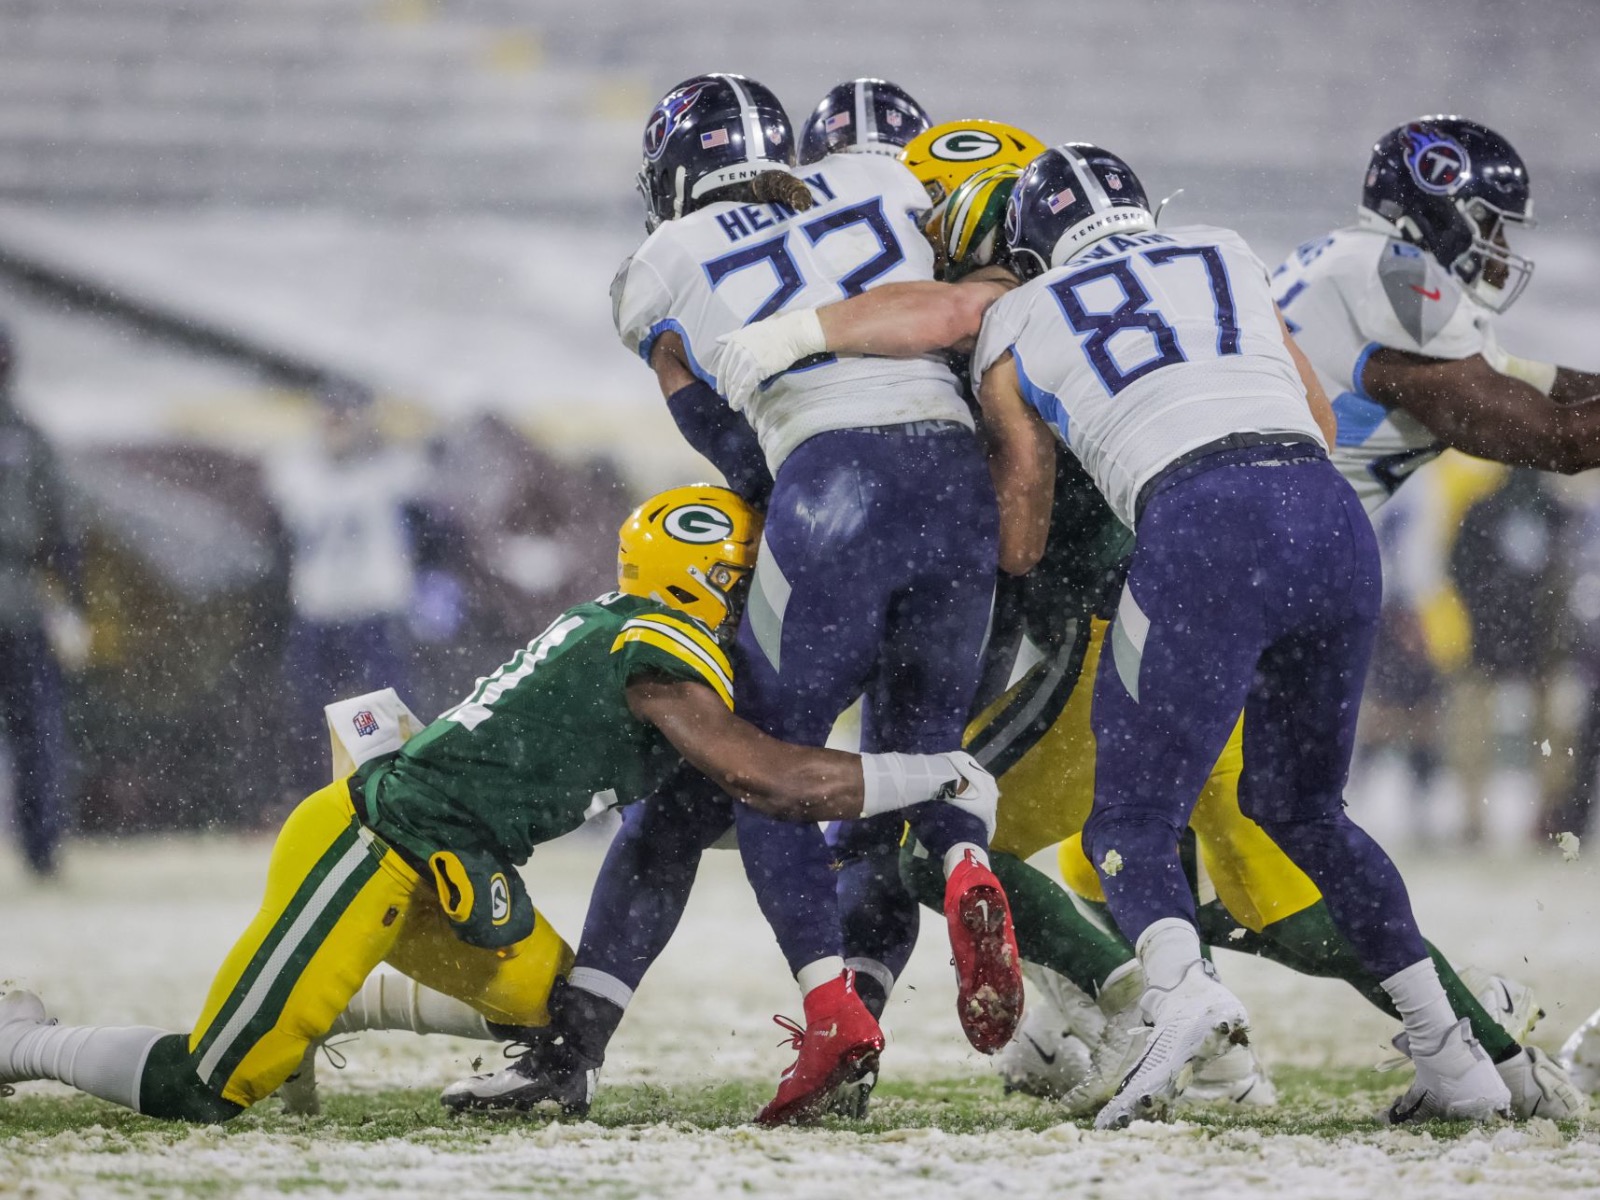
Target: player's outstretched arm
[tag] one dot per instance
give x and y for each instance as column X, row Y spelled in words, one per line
column 897, row 320
column 1022, row 464
column 802, row 783
column 1470, row 406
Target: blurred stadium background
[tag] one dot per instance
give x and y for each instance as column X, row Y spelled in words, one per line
column 208, row 207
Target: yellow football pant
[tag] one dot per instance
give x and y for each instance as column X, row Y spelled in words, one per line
column 1046, row 794
column 339, row 902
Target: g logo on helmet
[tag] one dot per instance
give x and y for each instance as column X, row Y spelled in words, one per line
column 665, row 119
column 965, row 145
column 699, row 524
column 1439, row 165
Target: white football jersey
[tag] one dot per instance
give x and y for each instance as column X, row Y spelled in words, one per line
column 1145, row 347
column 1353, row 292
column 726, row 265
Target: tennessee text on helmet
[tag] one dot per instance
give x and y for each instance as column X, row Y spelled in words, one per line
column 708, row 133
column 946, row 155
column 1451, row 186
column 973, row 220
column 690, row 547
column 868, row 116
column 1070, row 197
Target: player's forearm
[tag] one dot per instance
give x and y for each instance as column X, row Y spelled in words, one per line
column 903, row 320
column 1535, row 432
column 1572, row 386
column 724, row 437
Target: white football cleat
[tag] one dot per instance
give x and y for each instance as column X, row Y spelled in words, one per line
column 1049, row 1056
column 1236, row 1076
column 1513, row 1005
column 1114, row 1052
column 1455, row 1082
column 1190, row 1024
column 20, row 1014
column 1539, row 1088
column 1580, row 1055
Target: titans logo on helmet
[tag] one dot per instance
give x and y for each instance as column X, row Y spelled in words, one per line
column 1439, row 165
column 665, row 119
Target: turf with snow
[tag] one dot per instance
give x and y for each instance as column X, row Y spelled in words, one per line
column 133, row 931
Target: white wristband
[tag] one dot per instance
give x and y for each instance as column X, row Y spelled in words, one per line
column 750, row 356
column 893, row 781
column 1541, row 375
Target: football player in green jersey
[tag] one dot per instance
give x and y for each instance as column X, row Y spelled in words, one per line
column 412, row 859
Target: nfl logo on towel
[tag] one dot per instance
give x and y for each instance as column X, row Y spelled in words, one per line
column 1060, row 200
column 714, row 137
column 366, row 724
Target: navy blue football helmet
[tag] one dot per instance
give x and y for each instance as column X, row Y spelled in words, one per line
column 1451, row 186
column 1070, row 197
column 708, row 133
column 871, row 116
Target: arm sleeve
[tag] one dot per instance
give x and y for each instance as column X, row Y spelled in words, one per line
column 678, row 647
column 1411, row 303
column 998, row 334
column 725, row 438
column 640, row 304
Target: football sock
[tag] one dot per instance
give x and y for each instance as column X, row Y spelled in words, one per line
column 105, row 1062
column 1168, row 949
column 813, row 975
column 585, row 1020
column 1051, row 931
column 878, row 916
column 390, row 1000
column 954, row 855
column 1136, row 856
column 1362, row 888
column 1423, row 1006
column 644, row 882
column 790, row 869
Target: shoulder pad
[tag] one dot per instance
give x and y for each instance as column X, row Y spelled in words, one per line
column 619, row 283
column 1422, row 296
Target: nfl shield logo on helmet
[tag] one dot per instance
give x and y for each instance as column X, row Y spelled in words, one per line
column 713, row 138
column 837, row 121
column 1060, row 200
column 1114, row 182
column 366, row 724
column 894, row 118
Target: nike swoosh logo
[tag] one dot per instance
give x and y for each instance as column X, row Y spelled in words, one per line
column 1422, row 291
column 1049, row 1059
column 1509, row 1007
column 1399, row 1116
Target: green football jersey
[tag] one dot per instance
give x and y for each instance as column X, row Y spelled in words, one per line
column 547, row 740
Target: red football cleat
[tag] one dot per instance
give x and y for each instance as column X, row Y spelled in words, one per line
column 840, row 1044
column 988, row 966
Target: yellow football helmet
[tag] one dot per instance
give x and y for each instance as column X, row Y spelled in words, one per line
column 945, row 156
column 691, row 547
column 973, row 219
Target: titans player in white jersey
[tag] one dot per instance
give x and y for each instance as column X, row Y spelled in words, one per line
column 876, row 563
column 1397, row 316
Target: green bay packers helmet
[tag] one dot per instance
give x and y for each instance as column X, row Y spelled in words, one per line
column 973, row 220
column 692, row 548
column 945, row 156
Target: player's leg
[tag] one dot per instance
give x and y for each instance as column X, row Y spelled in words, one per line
column 31, row 700
column 1299, row 731
column 335, row 901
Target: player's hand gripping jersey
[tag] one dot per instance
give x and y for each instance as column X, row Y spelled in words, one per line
column 727, row 264
column 1360, row 290
column 1136, row 304
column 547, row 740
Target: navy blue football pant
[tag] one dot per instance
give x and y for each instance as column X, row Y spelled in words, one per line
column 874, row 579
column 1255, row 585
column 31, row 702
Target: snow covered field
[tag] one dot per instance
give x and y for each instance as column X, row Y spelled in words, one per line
column 132, row 932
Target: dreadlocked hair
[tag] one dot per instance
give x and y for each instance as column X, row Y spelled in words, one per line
column 780, row 187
